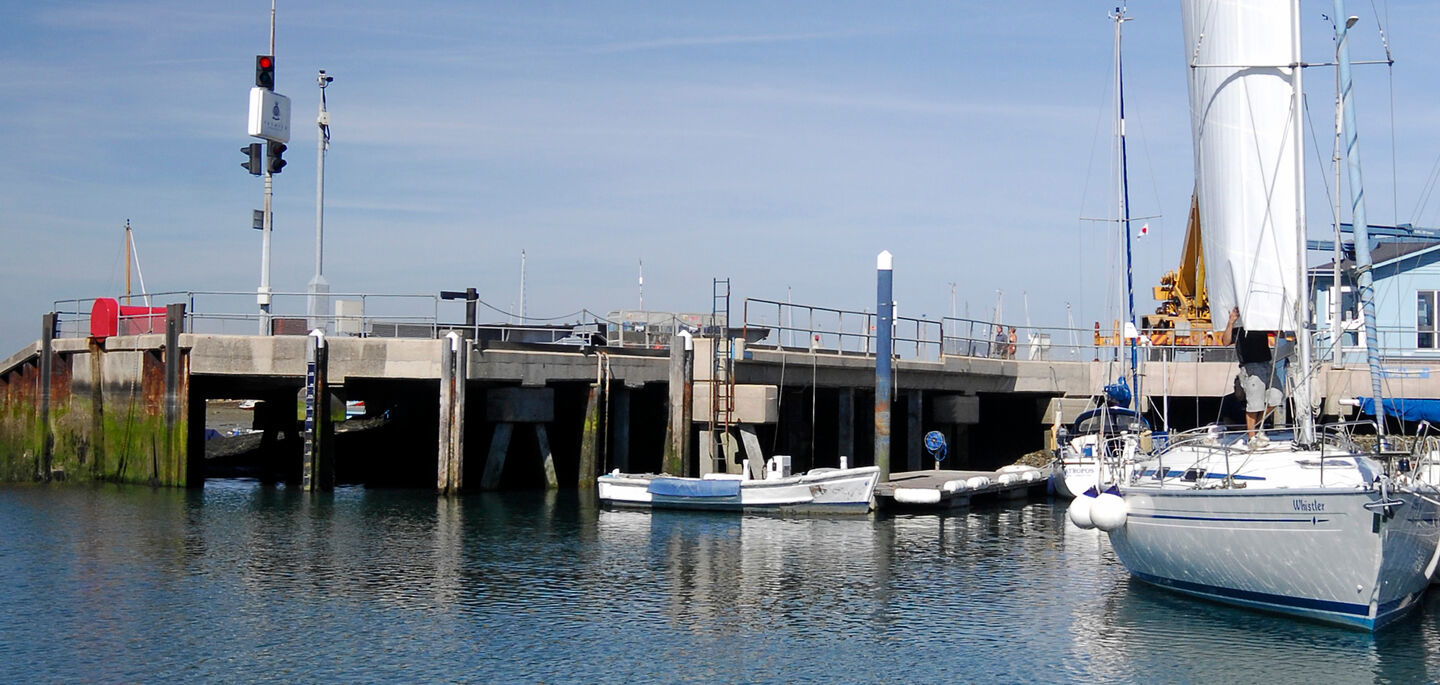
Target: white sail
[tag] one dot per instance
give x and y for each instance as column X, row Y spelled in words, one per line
column 1247, row 178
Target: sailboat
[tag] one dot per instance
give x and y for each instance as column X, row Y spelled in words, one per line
column 1294, row 520
column 1089, row 451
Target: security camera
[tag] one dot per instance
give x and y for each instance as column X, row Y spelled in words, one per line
column 324, row 79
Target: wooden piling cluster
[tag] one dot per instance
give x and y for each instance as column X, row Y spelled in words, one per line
column 122, row 416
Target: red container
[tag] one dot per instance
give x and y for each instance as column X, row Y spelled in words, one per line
column 108, row 317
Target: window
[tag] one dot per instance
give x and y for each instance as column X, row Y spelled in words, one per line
column 1425, row 319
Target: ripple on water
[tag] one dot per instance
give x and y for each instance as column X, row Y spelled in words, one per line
column 255, row 583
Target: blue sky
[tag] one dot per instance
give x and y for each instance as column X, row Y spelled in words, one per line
column 782, row 145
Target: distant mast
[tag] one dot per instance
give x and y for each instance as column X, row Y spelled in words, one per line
column 128, row 251
column 1123, row 198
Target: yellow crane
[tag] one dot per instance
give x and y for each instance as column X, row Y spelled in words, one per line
column 1182, row 296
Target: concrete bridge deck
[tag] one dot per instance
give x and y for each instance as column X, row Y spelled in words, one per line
column 107, row 405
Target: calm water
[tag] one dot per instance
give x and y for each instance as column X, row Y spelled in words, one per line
column 247, row 583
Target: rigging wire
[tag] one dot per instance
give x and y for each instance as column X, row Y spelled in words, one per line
column 1390, row 71
column 1100, row 111
column 1315, row 143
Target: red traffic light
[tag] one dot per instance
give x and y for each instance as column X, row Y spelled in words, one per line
column 265, row 71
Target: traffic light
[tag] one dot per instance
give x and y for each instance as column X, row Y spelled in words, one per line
column 273, row 151
column 252, row 163
column 265, row 71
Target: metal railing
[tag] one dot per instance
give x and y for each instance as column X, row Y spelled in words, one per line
column 388, row 315
column 801, row 327
column 222, row 312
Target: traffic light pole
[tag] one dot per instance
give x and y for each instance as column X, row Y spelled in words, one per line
column 263, row 295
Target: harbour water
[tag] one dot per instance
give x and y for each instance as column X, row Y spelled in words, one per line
column 244, row 582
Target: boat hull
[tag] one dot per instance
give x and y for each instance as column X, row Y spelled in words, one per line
column 1072, row 478
column 1313, row 553
column 830, row 490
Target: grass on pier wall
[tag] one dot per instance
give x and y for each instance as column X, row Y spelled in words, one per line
column 19, row 441
column 133, row 448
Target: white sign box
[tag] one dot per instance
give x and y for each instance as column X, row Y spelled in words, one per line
column 269, row 115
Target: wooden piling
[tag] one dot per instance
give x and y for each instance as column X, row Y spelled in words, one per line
column 450, row 469
column 914, row 438
column 682, row 387
column 47, row 366
column 461, row 378
column 318, row 473
column 590, row 441
column 447, row 402
column 97, row 408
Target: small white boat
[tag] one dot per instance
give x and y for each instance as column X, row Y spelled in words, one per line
column 1092, row 447
column 820, row 490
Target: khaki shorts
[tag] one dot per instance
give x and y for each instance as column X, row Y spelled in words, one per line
column 1256, row 382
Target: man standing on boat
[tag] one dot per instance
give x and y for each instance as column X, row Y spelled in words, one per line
column 1252, row 348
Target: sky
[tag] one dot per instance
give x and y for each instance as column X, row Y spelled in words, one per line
column 780, row 145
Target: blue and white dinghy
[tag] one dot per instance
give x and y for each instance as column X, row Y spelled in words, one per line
column 850, row 490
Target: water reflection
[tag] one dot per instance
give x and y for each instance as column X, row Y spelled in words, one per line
column 248, row 582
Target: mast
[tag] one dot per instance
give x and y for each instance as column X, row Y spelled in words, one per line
column 1118, row 16
column 128, row 249
column 1363, row 261
column 1304, row 419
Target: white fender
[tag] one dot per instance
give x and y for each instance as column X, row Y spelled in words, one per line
column 1108, row 511
column 955, row 486
column 1008, row 478
column 917, row 495
column 978, row 482
column 1080, row 512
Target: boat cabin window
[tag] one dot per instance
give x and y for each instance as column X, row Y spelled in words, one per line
column 1118, row 421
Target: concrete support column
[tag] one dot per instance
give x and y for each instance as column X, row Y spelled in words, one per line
column 506, row 407
column 914, row 438
column 495, row 461
column 47, row 369
column 845, row 420
column 682, row 397
column 547, row 459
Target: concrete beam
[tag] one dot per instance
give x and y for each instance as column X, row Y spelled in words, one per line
column 520, row 405
column 757, row 404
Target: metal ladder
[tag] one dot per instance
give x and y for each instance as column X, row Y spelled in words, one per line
column 722, row 381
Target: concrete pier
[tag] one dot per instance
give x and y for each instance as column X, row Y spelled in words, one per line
column 131, row 408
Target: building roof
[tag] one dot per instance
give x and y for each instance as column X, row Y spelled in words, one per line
column 1385, row 253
